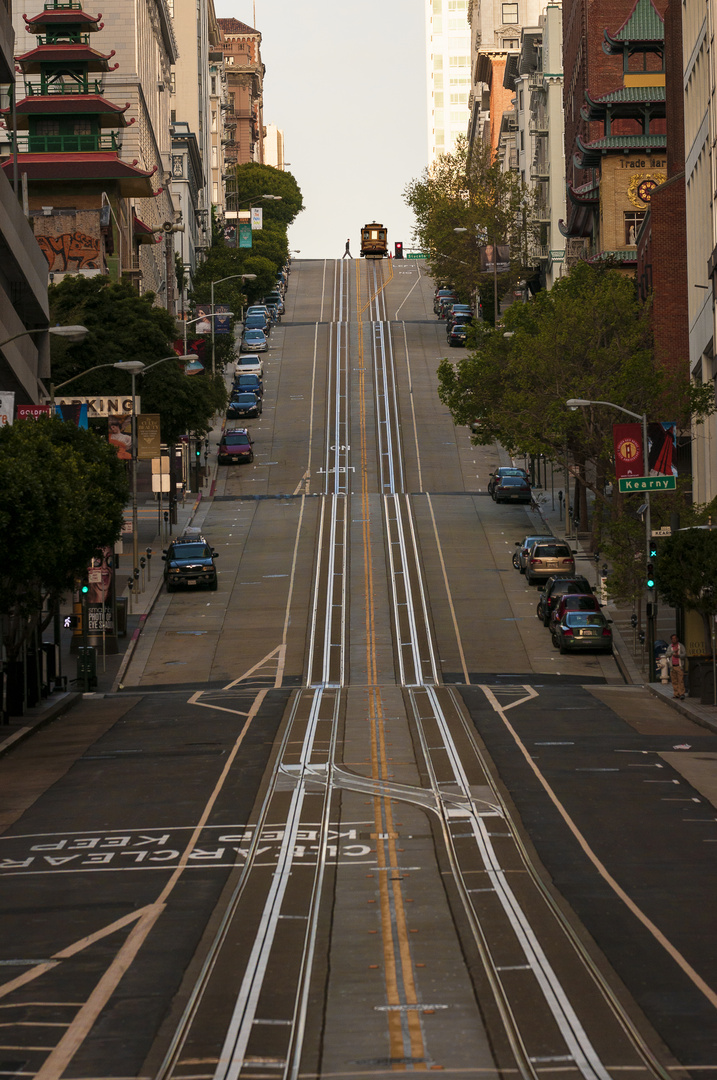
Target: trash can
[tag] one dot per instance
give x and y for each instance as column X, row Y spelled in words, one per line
column 700, row 679
column 87, row 667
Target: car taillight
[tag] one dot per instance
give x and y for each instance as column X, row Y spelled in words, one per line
column 568, row 632
column 607, row 632
column 533, row 560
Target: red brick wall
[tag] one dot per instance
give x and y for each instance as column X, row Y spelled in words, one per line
column 667, row 255
column 586, row 66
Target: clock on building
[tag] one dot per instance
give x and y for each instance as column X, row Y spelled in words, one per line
column 640, row 188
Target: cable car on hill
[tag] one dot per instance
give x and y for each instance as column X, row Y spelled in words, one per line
column 374, row 241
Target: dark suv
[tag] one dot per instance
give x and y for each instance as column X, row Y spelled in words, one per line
column 555, row 589
column 189, row 562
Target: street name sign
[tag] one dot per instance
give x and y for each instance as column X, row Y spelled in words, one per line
column 664, row 531
column 647, row 483
column 416, row 255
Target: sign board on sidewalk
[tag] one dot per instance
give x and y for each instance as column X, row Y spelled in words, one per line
column 647, row 483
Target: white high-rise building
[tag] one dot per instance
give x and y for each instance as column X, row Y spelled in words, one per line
column 448, row 48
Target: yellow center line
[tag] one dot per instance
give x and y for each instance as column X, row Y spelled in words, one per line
column 392, row 908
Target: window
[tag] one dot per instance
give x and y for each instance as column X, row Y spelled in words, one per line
column 510, row 13
column 633, row 220
column 459, row 61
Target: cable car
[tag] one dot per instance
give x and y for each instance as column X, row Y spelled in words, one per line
column 374, row 241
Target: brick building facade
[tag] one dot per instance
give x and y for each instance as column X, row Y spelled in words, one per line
column 245, row 83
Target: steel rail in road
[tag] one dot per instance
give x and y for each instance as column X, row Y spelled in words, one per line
column 458, row 809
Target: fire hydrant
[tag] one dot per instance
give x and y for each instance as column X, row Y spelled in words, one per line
column 663, row 664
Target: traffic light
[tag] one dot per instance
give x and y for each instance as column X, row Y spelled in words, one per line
column 84, row 590
column 399, row 250
column 650, row 576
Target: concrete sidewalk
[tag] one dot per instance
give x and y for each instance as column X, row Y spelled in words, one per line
column 110, row 667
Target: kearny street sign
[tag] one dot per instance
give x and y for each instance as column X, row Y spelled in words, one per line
column 647, row 483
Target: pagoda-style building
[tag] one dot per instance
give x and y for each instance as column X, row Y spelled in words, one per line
column 67, row 141
column 621, row 149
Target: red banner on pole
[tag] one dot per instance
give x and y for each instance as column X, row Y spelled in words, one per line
column 628, row 450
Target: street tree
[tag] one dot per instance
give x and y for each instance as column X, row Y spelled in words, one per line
column 125, row 326
column 590, row 338
column 247, row 183
column 468, row 191
column 62, row 495
column 686, row 572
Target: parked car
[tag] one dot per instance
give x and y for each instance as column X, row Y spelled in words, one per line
column 524, row 547
column 504, row 470
column 189, row 561
column 253, row 341
column 439, row 296
column 457, row 334
column 580, row 630
column 269, row 313
column 248, row 382
column 572, row 602
column 549, row 557
column 260, row 321
column 512, row 489
column 246, row 404
column 249, row 364
column 555, row 588
column 458, row 311
column 275, row 298
column 235, row 446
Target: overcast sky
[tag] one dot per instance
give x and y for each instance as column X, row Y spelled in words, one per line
column 351, row 101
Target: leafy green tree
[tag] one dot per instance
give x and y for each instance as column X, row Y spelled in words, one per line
column 125, row 326
column 249, row 182
column 590, row 338
column 62, row 495
column 686, row 572
column 468, row 191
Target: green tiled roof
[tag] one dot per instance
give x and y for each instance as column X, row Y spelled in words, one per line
column 617, row 256
column 627, row 142
column 643, row 24
column 630, row 93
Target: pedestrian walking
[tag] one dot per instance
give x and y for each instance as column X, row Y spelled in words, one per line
column 676, row 654
column 347, row 252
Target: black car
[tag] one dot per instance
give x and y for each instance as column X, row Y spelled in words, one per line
column 457, row 334
column 246, row 403
column 505, row 470
column 512, row 489
column 555, row 588
column 189, row 563
column 258, row 322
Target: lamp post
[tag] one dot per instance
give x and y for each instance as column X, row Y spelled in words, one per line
column 576, row 403
column 70, row 333
column 217, row 281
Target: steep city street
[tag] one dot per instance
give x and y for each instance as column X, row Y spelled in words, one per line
column 352, row 813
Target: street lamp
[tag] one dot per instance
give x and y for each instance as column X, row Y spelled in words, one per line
column 70, row 333
column 577, row 403
column 217, row 281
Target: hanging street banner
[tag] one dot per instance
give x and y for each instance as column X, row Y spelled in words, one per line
column 32, row 412
column 627, row 439
column 244, row 235
column 662, row 441
column 7, row 407
column 222, row 319
column 647, row 483
column 257, row 217
column 148, row 436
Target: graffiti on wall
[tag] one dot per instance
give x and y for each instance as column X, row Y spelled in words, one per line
column 71, row 251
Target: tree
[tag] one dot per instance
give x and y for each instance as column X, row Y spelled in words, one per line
column 589, row 337
column 686, row 572
column 468, row 191
column 125, row 326
column 249, row 182
column 62, row 495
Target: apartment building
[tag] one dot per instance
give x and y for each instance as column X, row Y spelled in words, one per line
column 448, row 44
column 245, row 85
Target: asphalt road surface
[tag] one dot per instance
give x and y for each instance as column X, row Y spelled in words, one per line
column 352, row 814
